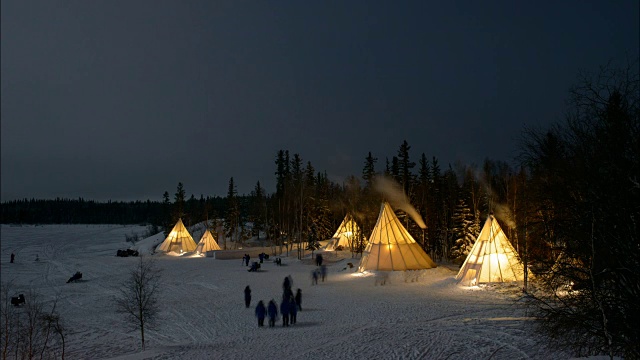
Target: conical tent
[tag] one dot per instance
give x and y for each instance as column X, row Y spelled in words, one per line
column 344, row 235
column 491, row 259
column 392, row 248
column 207, row 243
column 179, row 240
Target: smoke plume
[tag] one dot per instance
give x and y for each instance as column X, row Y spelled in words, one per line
column 503, row 213
column 393, row 193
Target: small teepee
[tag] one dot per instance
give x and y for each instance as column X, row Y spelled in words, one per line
column 491, row 259
column 179, row 240
column 207, row 243
column 392, row 248
column 344, row 235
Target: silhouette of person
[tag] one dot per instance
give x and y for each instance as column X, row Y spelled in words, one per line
column 298, row 299
column 284, row 310
column 260, row 313
column 272, row 311
column 247, row 296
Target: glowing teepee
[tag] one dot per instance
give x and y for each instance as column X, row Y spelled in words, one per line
column 392, row 248
column 491, row 259
column 179, row 240
column 344, row 235
column 207, row 243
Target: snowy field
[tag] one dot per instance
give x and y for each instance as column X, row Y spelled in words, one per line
column 424, row 315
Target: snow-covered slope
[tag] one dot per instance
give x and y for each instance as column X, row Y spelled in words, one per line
column 418, row 315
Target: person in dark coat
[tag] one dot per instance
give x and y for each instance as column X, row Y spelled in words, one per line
column 261, row 257
column 286, row 284
column 13, row 257
column 247, row 296
column 248, row 258
column 284, row 311
column 323, row 271
column 272, row 311
column 260, row 313
column 314, row 277
column 319, row 260
column 298, row 299
column 293, row 311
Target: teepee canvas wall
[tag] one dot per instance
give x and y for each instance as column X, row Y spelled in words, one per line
column 392, row 248
column 491, row 259
column 207, row 243
column 344, row 235
column 178, row 239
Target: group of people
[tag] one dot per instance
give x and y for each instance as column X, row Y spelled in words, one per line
column 289, row 306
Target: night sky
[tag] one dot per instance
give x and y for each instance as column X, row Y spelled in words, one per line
column 122, row 100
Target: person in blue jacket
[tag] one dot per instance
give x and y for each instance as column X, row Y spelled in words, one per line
column 284, row 311
column 260, row 313
column 272, row 311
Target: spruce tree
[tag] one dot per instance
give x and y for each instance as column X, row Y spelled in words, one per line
column 395, row 168
column 257, row 210
column 232, row 216
column 167, row 223
column 369, row 171
column 463, row 232
column 405, row 175
column 178, row 205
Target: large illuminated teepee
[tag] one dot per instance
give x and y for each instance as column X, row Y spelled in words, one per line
column 392, row 248
column 207, row 243
column 491, row 259
column 344, row 235
column 179, row 240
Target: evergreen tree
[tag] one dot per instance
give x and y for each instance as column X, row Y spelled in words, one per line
column 178, row 204
column 422, row 194
column 395, row 168
column 280, row 174
column 405, row 176
column 167, row 223
column 369, row 171
column 463, row 232
column 257, row 210
column 232, row 218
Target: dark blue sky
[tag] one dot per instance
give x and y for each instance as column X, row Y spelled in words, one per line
column 124, row 99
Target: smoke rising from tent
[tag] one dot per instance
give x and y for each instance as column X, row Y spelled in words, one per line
column 503, row 213
column 394, row 194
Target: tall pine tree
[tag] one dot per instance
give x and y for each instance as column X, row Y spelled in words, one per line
column 232, row 216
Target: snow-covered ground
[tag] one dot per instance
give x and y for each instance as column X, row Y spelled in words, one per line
column 418, row 315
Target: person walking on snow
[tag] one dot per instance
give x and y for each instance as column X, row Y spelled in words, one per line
column 284, row 311
column 272, row 311
column 298, row 299
column 247, row 296
column 260, row 313
column 293, row 311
